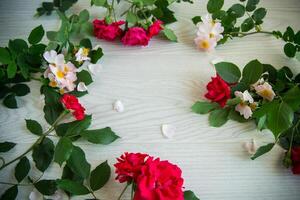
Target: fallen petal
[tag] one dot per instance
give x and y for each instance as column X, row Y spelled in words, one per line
column 81, row 87
column 168, row 130
column 250, row 147
column 118, row 106
column 94, row 68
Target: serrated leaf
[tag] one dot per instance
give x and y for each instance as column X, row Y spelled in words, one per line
column 259, row 14
column 169, row 34
column 262, row 150
column 78, row 126
column 22, row 169
column 237, row 10
column 252, row 72
column 10, row 194
column 218, row 117
column 43, row 154
column 46, row 187
column 63, row 150
column 34, row 127
column 72, row 187
column 4, row 56
column 78, row 163
column 251, row 5
column 229, row 72
column 189, row 195
column 204, row 107
column 100, row 176
column 6, row 146
column 100, row 136
column 36, row 35
column 214, row 5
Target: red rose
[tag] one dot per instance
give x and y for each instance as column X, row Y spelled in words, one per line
column 218, row 91
column 129, row 166
column 159, row 180
column 135, row 36
column 102, row 30
column 72, row 104
column 155, row 28
column 296, row 160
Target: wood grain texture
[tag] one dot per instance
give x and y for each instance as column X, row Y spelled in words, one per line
column 158, row 84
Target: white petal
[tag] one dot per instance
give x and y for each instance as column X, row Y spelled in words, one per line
column 50, row 56
column 247, row 97
column 94, row 68
column 250, row 147
column 58, row 195
column 35, row 195
column 168, row 130
column 60, row 59
column 118, row 106
column 81, row 87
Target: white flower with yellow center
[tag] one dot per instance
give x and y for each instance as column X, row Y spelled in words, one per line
column 60, row 74
column 209, row 32
column 82, row 55
column 246, row 105
column 265, row 91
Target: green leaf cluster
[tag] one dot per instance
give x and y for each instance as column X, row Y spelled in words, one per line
column 48, row 7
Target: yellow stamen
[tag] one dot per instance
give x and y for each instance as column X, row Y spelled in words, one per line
column 52, row 84
column 66, row 69
column 266, row 93
column 61, row 91
column 211, row 35
column 60, row 74
column 204, row 44
column 86, row 51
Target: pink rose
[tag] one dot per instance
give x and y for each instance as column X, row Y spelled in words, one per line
column 109, row 32
column 135, row 36
column 155, row 28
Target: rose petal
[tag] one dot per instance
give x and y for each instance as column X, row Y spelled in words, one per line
column 250, row 147
column 81, row 87
column 94, row 68
column 118, row 106
column 168, row 130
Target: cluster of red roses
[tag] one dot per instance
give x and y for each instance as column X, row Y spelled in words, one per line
column 132, row 36
column 72, row 104
column 154, row 179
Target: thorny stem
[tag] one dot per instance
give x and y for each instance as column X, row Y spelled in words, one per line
column 38, row 141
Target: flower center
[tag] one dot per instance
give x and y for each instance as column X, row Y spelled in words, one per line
column 52, row 84
column 85, row 51
column 60, row 74
column 266, row 93
column 204, row 44
column 211, row 35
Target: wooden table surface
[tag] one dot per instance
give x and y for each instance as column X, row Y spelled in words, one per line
column 158, row 84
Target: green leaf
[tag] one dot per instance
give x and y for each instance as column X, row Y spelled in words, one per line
column 63, row 150
column 34, row 127
column 100, row 176
column 131, row 18
column 51, row 35
column 46, row 187
column 6, row 146
column 84, row 76
column 290, row 50
column 36, row 35
column 229, row 72
column 95, row 55
column 78, row 126
column 252, row 72
column 78, row 163
column 251, row 5
column 100, row 136
column 99, row 2
column 261, row 122
column 86, row 43
column 247, row 25
column 196, row 19
column 237, row 10
column 289, row 35
column 43, row 154
column 84, row 16
column 279, row 118
column 235, row 116
column 4, row 56
column 218, row 117
column 297, row 38
column 72, row 187
column 204, row 107
column 11, row 70
column 20, row 89
column 189, row 195
column 234, row 101
column 17, row 46
column 10, row 194
column 22, row 169
column 262, row 150
column 292, row 98
column 10, row 101
column 214, row 5
column 259, row 14
column 169, row 34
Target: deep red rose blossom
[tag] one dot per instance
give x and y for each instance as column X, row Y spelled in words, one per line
column 159, row 180
column 71, row 103
column 129, row 166
column 135, row 36
column 109, row 32
column 155, row 28
column 296, row 160
column 218, row 91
